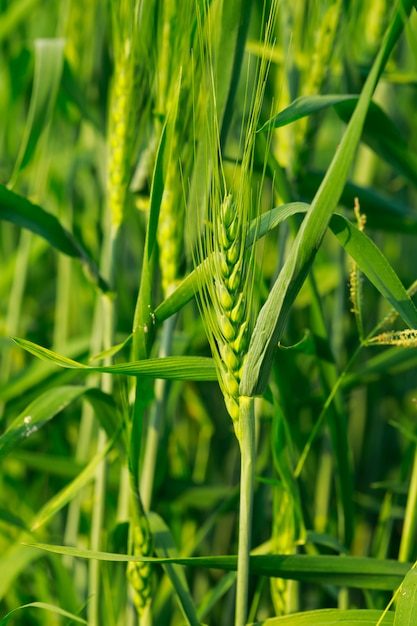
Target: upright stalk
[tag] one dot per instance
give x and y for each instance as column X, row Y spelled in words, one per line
column 247, row 480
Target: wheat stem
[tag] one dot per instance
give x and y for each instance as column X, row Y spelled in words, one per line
column 247, row 479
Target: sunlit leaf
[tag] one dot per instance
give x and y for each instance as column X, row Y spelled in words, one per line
column 330, row 617
column 171, row 368
column 46, row 607
column 349, row 571
column 406, row 601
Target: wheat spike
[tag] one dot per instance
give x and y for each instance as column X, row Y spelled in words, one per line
column 140, row 574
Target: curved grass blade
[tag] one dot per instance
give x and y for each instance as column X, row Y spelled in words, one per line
column 349, row 571
column 45, row 607
column 170, row 368
column 406, row 608
column 303, row 106
column 273, row 315
column 330, row 617
column 49, row 56
column 21, row 212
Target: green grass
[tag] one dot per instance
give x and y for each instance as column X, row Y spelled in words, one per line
column 208, row 314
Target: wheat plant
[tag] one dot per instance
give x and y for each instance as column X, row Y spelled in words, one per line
column 208, row 320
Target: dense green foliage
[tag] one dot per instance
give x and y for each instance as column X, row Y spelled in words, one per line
column 207, row 252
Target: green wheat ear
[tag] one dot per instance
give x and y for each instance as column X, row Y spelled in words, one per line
column 226, row 292
column 124, row 104
column 140, row 574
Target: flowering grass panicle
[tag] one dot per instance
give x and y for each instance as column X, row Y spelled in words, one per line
column 401, row 338
column 356, row 277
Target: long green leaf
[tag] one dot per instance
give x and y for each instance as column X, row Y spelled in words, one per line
column 20, row 211
column 273, row 315
column 171, row 368
column 406, row 609
column 45, row 607
column 330, row 617
column 306, row 105
column 349, row 571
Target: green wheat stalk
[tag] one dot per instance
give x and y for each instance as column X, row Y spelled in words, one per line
column 226, row 294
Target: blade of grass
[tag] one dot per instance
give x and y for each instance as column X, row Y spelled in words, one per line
column 355, row 572
column 330, row 617
column 406, row 609
column 172, row 368
column 46, row 607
